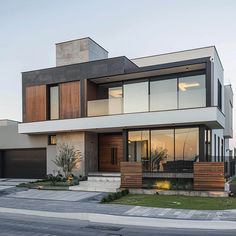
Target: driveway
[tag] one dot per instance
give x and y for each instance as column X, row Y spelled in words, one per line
column 71, row 196
column 10, row 183
column 8, row 188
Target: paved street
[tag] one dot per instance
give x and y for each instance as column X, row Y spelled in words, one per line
column 14, row 225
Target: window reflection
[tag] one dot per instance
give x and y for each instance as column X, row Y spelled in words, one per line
column 163, row 95
column 115, row 100
column 167, row 150
column 186, row 148
column 54, row 102
column 162, row 150
column 192, row 91
column 136, row 97
column 138, row 145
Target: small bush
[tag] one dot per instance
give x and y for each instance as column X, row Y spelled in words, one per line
column 114, row 196
column 54, row 178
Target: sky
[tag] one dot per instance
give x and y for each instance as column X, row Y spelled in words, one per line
column 29, row 30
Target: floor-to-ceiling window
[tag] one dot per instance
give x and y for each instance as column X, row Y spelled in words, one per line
column 192, row 91
column 164, row 150
column 138, row 145
column 136, row 97
column 186, row 148
column 115, row 101
column 151, row 94
column 163, row 95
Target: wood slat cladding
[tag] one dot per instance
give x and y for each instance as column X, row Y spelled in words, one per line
column 70, row 100
column 209, row 176
column 110, row 152
column 131, row 174
column 35, row 103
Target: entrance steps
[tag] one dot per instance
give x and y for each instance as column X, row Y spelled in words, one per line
column 99, row 182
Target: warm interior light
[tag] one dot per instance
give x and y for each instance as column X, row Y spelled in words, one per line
column 184, row 86
column 115, row 93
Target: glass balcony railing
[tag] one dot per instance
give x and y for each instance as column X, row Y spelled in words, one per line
column 105, row 107
column 149, row 103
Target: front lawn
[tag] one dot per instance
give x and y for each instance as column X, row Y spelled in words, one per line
column 179, row 202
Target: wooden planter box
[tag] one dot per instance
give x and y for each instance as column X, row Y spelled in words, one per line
column 209, row 176
column 131, row 174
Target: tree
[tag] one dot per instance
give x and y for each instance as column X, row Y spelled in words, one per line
column 67, row 158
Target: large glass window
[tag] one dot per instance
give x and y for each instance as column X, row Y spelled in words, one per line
column 136, row 97
column 162, row 150
column 115, row 100
column 54, row 102
column 186, row 148
column 168, row 150
column 163, row 95
column 138, row 145
column 192, row 91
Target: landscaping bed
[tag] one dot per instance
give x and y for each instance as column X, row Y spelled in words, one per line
column 46, row 185
column 178, row 202
column 57, row 182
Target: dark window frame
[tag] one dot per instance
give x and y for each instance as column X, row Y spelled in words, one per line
column 49, row 101
column 219, row 94
column 163, row 128
column 50, row 139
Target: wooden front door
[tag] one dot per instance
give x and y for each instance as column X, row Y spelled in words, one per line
column 110, row 152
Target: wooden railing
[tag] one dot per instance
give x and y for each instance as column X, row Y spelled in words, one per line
column 131, row 174
column 209, row 176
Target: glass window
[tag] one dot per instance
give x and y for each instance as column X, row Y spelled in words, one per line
column 186, row 148
column 219, row 95
column 136, row 97
column 54, row 103
column 163, row 95
column 192, row 91
column 138, row 143
column 162, row 150
column 115, row 92
column 52, row 140
column 115, row 105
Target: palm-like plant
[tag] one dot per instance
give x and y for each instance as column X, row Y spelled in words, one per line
column 67, row 158
column 158, row 155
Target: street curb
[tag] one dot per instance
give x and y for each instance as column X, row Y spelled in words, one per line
column 128, row 220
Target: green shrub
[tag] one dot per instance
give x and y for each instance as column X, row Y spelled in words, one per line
column 114, row 196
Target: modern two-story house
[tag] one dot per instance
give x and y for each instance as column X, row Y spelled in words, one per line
column 166, row 111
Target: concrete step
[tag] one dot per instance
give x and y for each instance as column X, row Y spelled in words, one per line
column 94, row 189
column 104, row 179
column 98, row 183
column 105, row 174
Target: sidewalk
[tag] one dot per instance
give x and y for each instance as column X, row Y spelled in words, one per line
column 128, row 220
column 91, row 204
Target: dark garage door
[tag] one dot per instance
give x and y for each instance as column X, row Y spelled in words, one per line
column 24, row 163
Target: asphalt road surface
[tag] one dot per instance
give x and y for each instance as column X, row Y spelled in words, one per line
column 11, row 224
